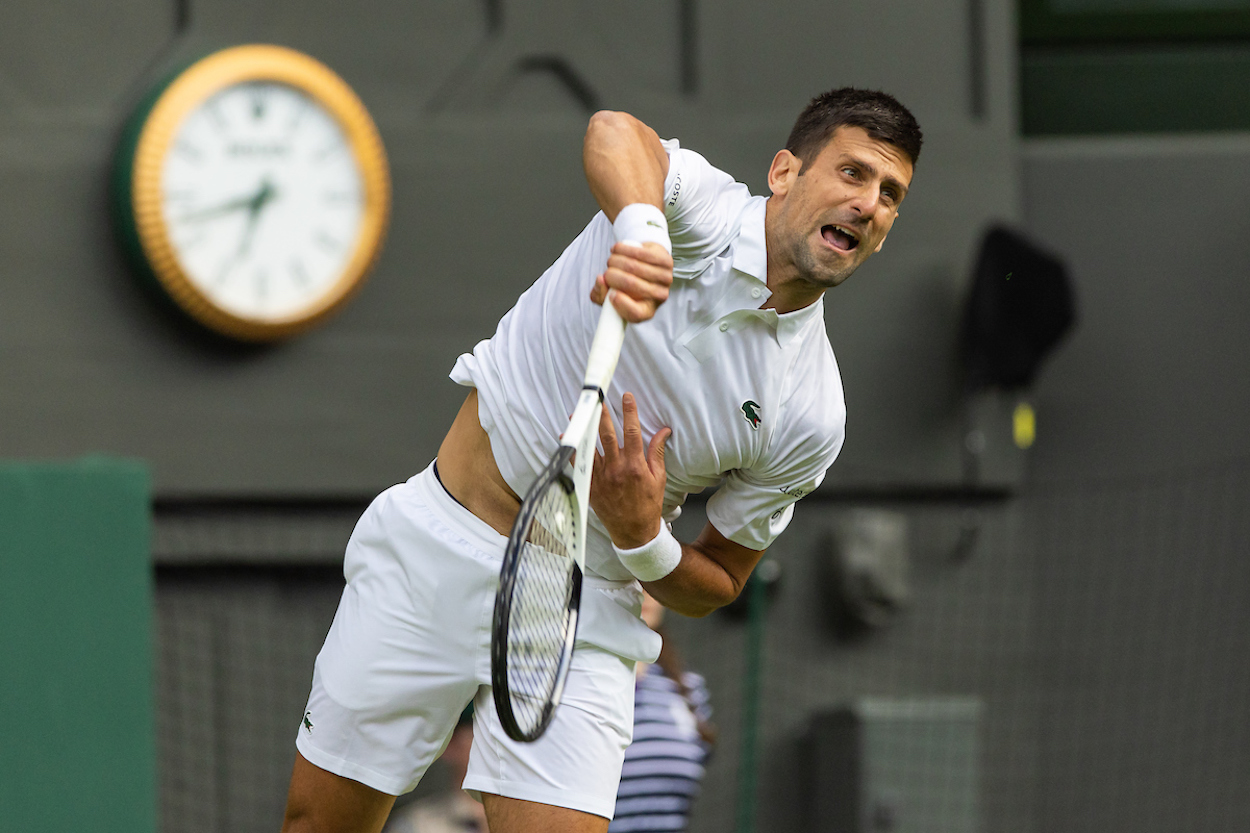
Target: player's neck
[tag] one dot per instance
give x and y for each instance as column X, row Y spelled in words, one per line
column 790, row 289
column 790, row 301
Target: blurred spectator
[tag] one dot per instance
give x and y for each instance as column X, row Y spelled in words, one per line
column 672, row 740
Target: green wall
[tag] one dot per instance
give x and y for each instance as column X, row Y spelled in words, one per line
column 1134, row 66
column 77, row 745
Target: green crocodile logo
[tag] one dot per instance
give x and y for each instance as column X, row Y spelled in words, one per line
column 751, row 410
column 307, row 722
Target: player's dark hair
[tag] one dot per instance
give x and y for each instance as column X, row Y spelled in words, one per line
column 878, row 113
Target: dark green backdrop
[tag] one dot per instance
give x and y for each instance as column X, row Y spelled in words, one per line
column 77, row 745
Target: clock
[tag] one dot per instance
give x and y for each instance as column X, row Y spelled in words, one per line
column 253, row 190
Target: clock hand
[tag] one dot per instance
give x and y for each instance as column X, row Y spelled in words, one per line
column 219, row 210
column 252, row 203
column 257, row 203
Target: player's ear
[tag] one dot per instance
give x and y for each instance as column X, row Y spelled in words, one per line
column 783, row 172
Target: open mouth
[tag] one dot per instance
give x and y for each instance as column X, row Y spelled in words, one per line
column 839, row 238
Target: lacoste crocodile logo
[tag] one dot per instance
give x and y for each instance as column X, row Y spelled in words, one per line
column 751, row 410
column 307, row 722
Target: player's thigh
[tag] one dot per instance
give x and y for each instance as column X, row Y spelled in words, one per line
column 576, row 764
column 408, row 647
column 320, row 801
column 512, row 815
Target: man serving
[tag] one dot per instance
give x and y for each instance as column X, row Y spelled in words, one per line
column 729, row 384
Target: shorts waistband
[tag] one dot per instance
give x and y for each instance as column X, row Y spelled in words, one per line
column 455, row 515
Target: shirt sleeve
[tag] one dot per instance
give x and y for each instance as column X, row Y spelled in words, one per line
column 754, row 505
column 702, row 204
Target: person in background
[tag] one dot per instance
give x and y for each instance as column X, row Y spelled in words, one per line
column 451, row 811
column 672, row 739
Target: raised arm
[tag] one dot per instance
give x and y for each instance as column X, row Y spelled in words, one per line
column 625, row 168
column 624, row 161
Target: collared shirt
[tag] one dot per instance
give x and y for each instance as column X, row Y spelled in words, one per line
column 754, row 398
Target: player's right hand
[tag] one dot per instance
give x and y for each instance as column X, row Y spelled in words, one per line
column 641, row 276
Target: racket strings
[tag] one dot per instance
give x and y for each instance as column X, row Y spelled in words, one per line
column 537, row 633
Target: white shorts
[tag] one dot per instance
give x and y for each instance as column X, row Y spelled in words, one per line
column 410, row 647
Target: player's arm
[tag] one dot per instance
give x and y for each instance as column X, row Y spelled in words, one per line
column 627, row 494
column 624, row 161
column 625, row 167
column 712, row 572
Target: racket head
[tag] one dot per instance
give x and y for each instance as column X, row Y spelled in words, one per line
column 535, row 618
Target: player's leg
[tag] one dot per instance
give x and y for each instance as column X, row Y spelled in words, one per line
column 568, row 778
column 512, row 815
column 322, row 802
column 401, row 660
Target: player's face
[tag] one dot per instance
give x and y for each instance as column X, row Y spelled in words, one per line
column 836, row 209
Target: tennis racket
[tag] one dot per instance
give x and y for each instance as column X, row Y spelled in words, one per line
column 540, row 582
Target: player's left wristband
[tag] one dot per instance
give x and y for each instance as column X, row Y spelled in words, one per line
column 654, row 559
column 642, row 222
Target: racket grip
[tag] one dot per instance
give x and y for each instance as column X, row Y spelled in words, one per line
column 606, row 348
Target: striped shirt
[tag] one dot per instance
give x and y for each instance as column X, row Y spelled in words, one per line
column 664, row 764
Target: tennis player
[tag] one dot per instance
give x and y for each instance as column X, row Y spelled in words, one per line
column 727, row 382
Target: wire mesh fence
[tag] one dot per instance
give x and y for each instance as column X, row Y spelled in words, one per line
column 1102, row 627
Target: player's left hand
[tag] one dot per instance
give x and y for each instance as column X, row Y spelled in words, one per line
column 627, row 481
column 641, row 276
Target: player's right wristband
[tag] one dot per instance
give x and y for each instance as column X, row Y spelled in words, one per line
column 654, row 559
column 642, row 222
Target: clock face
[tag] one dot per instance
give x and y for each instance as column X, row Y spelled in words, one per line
column 263, row 200
column 255, row 191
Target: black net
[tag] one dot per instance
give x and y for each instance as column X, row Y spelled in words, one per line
column 1082, row 665
column 235, row 650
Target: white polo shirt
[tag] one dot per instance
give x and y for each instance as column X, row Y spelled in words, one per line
column 754, row 398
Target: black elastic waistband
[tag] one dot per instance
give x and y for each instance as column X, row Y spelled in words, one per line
column 439, row 478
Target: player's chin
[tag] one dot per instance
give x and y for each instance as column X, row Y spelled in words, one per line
column 835, row 265
column 829, row 275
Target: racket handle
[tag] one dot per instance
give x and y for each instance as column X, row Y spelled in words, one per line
column 606, row 348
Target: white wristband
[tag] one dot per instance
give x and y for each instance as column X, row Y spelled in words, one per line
column 654, row 559
column 642, row 222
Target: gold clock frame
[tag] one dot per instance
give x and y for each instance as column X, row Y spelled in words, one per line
column 191, row 88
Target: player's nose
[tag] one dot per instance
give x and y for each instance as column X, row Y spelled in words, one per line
column 865, row 200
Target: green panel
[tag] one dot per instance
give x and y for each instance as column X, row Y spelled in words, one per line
column 1142, row 90
column 77, row 738
column 1077, row 21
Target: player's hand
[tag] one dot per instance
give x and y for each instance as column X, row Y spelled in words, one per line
column 627, row 481
column 641, row 276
